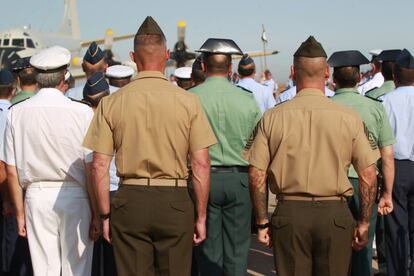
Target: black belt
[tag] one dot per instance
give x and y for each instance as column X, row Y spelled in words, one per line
column 229, row 169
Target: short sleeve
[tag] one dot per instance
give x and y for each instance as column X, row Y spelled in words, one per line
column 256, row 151
column 364, row 150
column 386, row 134
column 9, row 153
column 99, row 137
column 201, row 133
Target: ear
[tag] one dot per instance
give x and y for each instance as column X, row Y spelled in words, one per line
column 327, row 72
column 203, row 67
column 132, row 56
column 231, row 68
column 292, row 72
column 167, row 54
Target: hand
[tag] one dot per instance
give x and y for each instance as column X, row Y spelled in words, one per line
column 385, row 206
column 7, row 209
column 106, row 230
column 95, row 228
column 360, row 239
column 264, row 237
column 21, row 226
column 199, row 232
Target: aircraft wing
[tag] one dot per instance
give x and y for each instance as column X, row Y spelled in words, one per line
column 256, row 54
column 103, row 40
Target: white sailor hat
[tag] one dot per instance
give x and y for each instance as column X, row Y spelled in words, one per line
column 375, row 52
column 51, row 58
column 119, row 72
column 183, row 72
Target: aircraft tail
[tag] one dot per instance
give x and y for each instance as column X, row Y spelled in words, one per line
column 70, row 24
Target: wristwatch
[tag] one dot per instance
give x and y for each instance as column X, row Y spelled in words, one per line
column 263, row 226
column 105, row 216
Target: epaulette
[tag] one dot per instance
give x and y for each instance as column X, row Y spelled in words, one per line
column 81, row 101
column 246, row 90
column 18, row 102
column 372, row 89
column 1, row 109
column 285, row 90
column 281, row 103
column 374, row 99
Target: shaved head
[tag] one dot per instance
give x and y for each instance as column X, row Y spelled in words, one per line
column 150, row 51
column 217, row 64
column 310, row 72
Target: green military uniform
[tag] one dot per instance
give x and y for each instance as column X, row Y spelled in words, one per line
column 233, row 113
column 22, row 95
column 387, row 87
column 381, row 134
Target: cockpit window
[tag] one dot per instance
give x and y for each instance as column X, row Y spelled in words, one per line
column 6, row 42
column 18, row 42
column 29, row 43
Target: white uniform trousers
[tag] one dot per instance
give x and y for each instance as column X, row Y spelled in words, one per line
column 58, row 217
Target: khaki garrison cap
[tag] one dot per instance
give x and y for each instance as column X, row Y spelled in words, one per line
column 150, row 27
column 310, row 48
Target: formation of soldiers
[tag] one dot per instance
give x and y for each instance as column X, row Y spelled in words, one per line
column 141, row 177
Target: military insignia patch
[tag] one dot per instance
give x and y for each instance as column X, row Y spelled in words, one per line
column 251, row 138
column 370, row 137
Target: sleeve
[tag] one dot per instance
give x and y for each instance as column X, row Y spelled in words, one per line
column 3, row 121
column 386, row 134
column 256, row 151
column 99, row 136
column 364, row 152
column 87, row 153
column 9, row 153
column 201, row 133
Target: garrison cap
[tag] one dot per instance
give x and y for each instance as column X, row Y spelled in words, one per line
column 94, row 54
column 51, row 59
column 6, row 77
column 183, row 73
column 389, row 55
column 310, row 48
column 246, row 60
column 197, row 63
column 95, row 84
column 150, row 27
column 119, row 72
column 347, row 58
column 21, row 63
column 405, row 60
column 220, row 46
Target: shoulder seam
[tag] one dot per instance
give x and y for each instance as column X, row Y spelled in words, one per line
column 81, row 101
column 18, row 103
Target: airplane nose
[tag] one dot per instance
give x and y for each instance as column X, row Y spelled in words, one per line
column 8, row 57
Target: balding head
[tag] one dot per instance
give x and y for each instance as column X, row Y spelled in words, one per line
column 310, row 72
column 217, row 64
column 150, row 52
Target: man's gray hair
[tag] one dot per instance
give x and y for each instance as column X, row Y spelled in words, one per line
column 50, row 80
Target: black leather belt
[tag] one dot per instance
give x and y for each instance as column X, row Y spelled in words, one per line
column 229, row 169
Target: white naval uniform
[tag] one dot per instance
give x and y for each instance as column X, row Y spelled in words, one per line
column 76, row 93
column 291, row 93
column 263, row 94
column 43, row 140
column 376, row 81
column 271, row 84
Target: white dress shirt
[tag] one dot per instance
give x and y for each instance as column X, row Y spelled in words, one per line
column 375, row 82
column 263, row 95
column 399, row 106
column 271, row 84
column 44, row 136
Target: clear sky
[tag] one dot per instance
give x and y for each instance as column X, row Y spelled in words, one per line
column 338, row 25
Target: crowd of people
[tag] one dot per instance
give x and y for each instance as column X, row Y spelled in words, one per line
column 146, row 176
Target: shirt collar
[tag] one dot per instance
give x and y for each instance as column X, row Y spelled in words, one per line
column 50, row 91
column 150, row 74
column 247, row 80
column 310, row 92
column 346, row 90
column 4, row 101
column 216, row 78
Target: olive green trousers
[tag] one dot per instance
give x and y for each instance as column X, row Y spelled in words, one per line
column 152, row 230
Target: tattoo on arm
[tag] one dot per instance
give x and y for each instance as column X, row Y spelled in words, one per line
column 257, row 183
column 367, row 194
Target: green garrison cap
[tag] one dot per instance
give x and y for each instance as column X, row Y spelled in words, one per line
column 150, row 27
column 347, row 58
column 310, row 48
column 220, row 46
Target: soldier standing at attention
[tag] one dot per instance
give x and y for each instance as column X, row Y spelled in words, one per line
column 152, row 126
column 48, row 172
column 306, row 146
column 399, row 226
column 346, row 76
column 233, row 113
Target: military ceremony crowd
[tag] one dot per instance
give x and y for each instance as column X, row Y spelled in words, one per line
column 142, row 176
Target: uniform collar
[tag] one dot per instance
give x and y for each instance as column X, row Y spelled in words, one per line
column 50, row 91
column 310, row 92
column 346, row 90
column 217, row 78
column 150, row 74
column 4, row 101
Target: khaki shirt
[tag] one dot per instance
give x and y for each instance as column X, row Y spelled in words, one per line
column 306, row 146
column 152, row 125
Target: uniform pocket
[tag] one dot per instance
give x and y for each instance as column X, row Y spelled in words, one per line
column 280, row 222
column 344, row 222
column 182, row 206
column 118, row 202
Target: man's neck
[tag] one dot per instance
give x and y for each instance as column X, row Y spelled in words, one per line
column 29, row 88
column 313, row 85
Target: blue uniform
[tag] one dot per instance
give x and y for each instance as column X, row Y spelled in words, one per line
column 263, row 94
column 291, row 93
